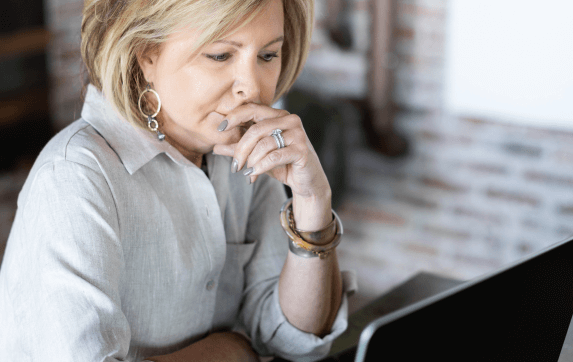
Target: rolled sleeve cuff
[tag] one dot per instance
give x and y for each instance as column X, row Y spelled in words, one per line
column 291, row 343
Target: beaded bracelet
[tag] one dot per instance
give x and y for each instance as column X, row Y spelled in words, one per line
column 302, row 247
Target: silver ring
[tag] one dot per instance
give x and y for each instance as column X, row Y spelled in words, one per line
column 277, row 141
column 278, row 138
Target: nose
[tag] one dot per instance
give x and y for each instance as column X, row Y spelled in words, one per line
column 246, row 86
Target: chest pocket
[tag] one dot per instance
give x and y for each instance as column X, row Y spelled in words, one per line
column 232, row 284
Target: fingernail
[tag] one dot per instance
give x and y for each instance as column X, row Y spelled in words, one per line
column 234, row 166
column 248, row 180
column 248, row 171
column 222, row 126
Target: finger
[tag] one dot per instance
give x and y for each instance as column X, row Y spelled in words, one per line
column 277, row 158
column 267, row 145
column 225, row 150
column 251, row 179
column 261, row 130
column 249, row 113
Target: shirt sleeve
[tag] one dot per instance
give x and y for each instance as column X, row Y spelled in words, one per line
column 61, row 270
column 261, row 314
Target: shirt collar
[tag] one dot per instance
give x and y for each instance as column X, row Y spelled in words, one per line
column 134, row 146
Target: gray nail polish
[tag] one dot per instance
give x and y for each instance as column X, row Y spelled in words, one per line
column 234, row 166
column 248, row 171
column 222, row 126
column 248, row 180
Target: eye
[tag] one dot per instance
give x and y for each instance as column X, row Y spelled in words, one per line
column 267, row 57
column 218, row 57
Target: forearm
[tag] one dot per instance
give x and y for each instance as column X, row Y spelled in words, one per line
column 216, row 347
column 310, row 289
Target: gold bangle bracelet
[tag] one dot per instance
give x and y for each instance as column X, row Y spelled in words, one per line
column 301, row 247
column 321, row 237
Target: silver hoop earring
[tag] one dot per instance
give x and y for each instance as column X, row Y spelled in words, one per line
column 152, row 123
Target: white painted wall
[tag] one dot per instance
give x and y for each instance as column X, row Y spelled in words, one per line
column 510, row 60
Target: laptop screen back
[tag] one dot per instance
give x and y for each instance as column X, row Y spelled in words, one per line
column 519, row 314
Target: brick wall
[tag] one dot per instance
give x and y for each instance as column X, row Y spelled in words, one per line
column 419, row 53
column 472, row 196
column 417, row 60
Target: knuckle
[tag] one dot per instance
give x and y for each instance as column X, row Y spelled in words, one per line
column 250, row 161
column 295, row 119
column 299, row 133
column 298, row 136
column 268, row 143
column 301, row 150
column 275, row 157
column 261, row 147
column 303, row 160
column 241, row 151
column 256, row 129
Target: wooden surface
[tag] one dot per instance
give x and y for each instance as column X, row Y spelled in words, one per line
column 420, row 286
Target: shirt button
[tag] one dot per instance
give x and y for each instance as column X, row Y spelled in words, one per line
column 210, row 284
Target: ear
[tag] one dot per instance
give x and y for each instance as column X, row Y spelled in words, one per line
column 147, row 60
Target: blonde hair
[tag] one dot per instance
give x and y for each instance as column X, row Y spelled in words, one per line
column 114, row 32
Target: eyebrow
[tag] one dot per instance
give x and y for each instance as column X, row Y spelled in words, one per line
column 239, row 45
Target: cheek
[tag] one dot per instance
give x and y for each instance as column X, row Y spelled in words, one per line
column 269, row 85
column 190, row 92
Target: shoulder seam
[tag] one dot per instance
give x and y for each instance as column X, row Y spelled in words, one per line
column 87, row 125
column 72, row 136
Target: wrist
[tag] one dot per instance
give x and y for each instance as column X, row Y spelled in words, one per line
column 320, row 243
column 314, row 212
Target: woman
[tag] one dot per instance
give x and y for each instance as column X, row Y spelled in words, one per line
column 160, row 239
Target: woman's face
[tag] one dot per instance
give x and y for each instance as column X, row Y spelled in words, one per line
column 197, row 91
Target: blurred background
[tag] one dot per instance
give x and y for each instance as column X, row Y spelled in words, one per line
column 445, row 127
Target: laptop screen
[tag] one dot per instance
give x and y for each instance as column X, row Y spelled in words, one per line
column 518, row 314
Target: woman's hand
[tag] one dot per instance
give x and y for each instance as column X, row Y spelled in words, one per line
column 310, row 304
column 295, row 165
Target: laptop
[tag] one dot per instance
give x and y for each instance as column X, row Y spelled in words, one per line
column 519, row 313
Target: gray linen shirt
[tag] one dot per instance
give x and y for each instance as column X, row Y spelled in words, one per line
column 122, row 249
